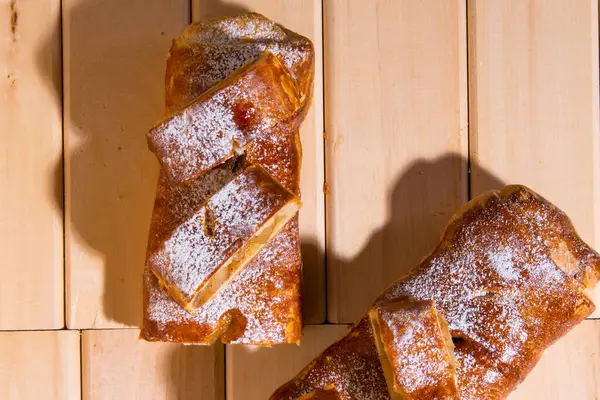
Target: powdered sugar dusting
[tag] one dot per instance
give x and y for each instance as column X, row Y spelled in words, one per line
column 266, row 293
column 176, row 204
column 416, row 349
column 192, row 254
column 554, row 230
column 495, row 285
column 241, row 27
column 503, row 297
column 210, row 51
column 351, row 366
column 214, row 127
column 227, row 57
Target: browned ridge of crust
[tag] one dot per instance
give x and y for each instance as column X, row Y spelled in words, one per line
column 261, row 305
column 510, row 277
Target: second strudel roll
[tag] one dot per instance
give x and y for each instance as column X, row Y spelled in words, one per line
column 510, row 276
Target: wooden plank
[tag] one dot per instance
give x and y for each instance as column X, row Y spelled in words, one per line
column 303, row 17
column 39, row 365
column 116, row 364
column 255, row 373
column 570, row 369
column 396, row 124
column 31, row 291
column 114, row 62
column 533, row 85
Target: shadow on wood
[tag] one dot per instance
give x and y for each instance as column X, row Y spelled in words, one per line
column 412, row 231
column 113, row 69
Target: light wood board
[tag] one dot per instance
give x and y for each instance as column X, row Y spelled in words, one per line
column 396, row 127
column 568, row 370
column 533, row 82
column 31, row 234
column 254, row 373
column 117, row 365
column 114, row 63
column 40, row 365
column 304, row 17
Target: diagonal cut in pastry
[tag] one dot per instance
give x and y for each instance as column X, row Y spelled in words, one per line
column 209, row 249
column 220, row 122
column 415, row 349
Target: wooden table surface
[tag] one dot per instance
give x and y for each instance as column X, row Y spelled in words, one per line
column 419, row 105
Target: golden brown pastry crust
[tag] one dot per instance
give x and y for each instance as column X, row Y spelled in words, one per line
column 415, row 350
column 209, row 51
column 219, row 123
column 496, row 279
column 218, row 240
column 262, row 304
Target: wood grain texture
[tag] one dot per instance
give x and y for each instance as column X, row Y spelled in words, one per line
column 40, row 365
column 304, row 17
column 114, row 62
column 533, row 83
column 569, row 369
column 396, row 128
column 254, row 373
column 31, row 291
column 116, row 364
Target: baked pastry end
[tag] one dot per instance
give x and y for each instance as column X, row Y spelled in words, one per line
column 415, row 349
